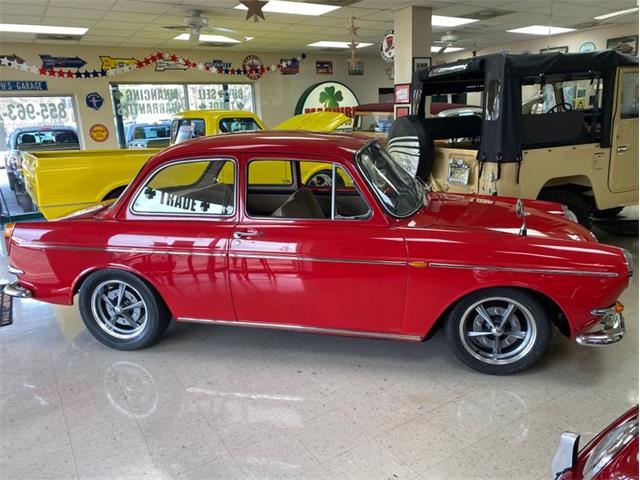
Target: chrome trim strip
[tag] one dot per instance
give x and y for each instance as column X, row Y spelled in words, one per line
column 14, row 271
column 302, row 328
column 69, row 204
column 317, row 259
column 123, row 250
column 550, row 271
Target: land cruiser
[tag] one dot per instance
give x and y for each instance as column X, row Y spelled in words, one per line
column 559, row 127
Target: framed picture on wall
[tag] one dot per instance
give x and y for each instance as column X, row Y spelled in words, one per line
column 564, row 49
column 324, row 67
column 628, row 44
column 402, row 93
column 358, row 69
column 401, row 111
column 421, row 63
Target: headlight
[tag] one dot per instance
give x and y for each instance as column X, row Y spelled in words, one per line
column 569, row 214
column 628, row 259
column 609, row 447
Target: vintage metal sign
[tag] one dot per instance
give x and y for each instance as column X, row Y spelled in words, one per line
column 327, row 96
column 49, row 61
column 23, row 85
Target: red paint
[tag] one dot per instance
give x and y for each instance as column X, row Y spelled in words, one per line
column 380, row 297
column 624, row 466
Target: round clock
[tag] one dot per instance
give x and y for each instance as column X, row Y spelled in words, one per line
column 587, row 47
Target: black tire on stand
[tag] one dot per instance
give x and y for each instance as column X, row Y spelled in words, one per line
column 578, row 204
column 411, row 145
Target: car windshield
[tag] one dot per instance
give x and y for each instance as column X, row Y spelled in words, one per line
column 400, row 193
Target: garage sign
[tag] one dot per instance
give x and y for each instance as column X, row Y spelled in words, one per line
column 327, row 97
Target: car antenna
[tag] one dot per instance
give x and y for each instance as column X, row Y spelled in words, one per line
column 520, row 212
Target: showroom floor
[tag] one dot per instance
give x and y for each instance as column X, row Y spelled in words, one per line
column 222, row 403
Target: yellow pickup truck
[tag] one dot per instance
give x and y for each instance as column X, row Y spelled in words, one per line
column 62, row 182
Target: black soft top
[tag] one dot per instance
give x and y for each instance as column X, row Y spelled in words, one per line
column 500, row 142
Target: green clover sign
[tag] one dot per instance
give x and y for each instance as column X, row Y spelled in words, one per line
column 330, row 98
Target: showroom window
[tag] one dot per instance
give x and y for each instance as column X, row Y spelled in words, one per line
column 302, row 189
column 189, row 188
column 148, row 105
column 41, row 116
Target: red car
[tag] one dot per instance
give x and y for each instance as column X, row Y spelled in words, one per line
column 612, row 454
column 221, row 230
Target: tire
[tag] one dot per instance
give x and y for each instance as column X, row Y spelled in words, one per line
column 323, row 179
column 575, row 202
column 12, row 182
column 109, row 323
column 502, row 354
column 410, row 144
column 608, row 213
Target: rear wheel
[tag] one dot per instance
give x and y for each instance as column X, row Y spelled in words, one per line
column 499, row 331
column 608, row 213
column 577, row 204
column 122, row 311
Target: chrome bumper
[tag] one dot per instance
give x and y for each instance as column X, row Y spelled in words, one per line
column 14, row 289
column 612, row 331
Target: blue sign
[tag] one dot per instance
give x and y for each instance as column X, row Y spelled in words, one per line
column 49, row 62
column 94, row 100
column 22, row 85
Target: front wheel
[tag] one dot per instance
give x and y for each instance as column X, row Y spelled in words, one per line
column 499, row 331
column 121, row 311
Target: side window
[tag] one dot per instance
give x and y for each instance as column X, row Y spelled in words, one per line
column 271, row 173
column 202, row 188
column 629, row 95
column 492, row 105
column 315, row 195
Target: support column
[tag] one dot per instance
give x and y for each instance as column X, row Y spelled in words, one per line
column 412, row 30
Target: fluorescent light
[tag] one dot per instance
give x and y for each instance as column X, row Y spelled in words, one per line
column 615, row 14
column 208, row 38
column 442, row 21
column 541, row 30
column 332, row 44
column 14, row 27
column 436, row 49
column 294, row 8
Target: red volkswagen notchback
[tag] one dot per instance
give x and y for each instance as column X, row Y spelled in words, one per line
column 221, row 230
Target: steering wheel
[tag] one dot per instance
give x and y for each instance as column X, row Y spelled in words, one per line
column 555, row 107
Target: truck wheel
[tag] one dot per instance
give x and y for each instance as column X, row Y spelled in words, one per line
column 121, row 311
column 323, row 179
column 410, row 144
column 499, row 331
column 12, row 183
column 608, row 213
column 576, row 203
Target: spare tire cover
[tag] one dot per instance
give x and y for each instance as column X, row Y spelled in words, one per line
column 411, row 145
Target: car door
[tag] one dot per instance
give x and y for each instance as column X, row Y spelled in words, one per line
column 294, row 263
column 623, row 171
column 176, row 235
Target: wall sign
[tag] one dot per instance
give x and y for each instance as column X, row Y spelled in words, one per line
column 111, row 63
column 387, row 47
column 291, row 66
column 324, row 67
column 98, row 132
column 49, row 61
column 23, row 85
column 216, row 63
column 94, row 100
column 162, row 65
column 254, row 66
column 327, row 96
column 628, row 44
column 357, row 69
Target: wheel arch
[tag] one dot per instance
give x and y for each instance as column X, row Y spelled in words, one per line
column 576, row 183
column 557, row 316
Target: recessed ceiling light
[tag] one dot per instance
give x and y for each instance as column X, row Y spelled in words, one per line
column 616, row 14
column 436, row 49
column 442, row 21
column 332, row 44
column 294, row 8
column 541, row 30
column 208, row 38
column 19, row 28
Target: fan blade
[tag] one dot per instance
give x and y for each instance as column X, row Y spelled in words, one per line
column 175, row 27
column 442, row 49
column 219, row 29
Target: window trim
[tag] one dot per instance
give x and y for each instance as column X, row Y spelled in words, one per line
column 177, row 216
column 296, row 181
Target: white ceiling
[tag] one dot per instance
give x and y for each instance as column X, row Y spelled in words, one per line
column 138, row 23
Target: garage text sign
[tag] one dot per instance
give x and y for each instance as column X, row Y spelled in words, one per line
column 26, row 85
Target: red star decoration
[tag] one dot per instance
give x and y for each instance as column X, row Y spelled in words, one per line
column 147, row 61
column 157, row 56
column 254, row 8
column 139, row 64
column 69, row 74
column 42, row 71
column 207, row 68
column 51, row 72
column 174, row 58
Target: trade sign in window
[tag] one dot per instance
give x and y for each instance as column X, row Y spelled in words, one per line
column 143, row 112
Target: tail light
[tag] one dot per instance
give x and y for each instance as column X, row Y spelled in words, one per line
column 8, row 230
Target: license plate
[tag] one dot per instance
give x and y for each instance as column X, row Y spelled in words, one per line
column 459, row 175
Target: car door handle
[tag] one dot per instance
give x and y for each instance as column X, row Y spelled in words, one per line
column 622, row 148
column 247, row 233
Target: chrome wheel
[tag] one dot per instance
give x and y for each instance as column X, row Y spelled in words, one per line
column 119, row 309
column 497, row 330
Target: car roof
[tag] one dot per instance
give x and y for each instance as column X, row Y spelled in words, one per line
column 281, row 142
column 44, row 128
column 213, row 113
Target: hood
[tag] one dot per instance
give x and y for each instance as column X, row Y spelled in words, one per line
column 315, row 122
column 498, row 214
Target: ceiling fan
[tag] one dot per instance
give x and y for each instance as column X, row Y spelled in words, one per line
column 449, row 39
column 196, row 25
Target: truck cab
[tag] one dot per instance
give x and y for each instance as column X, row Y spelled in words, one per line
column 559, row 127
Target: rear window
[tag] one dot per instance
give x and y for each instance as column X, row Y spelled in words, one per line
column 48, row 137
column 233, row 125
column 151, row 131
column 187, row 128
